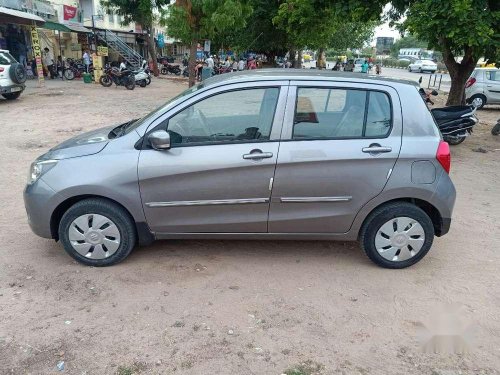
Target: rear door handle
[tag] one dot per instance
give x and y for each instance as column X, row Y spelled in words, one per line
column 257, row 154
column 376, row 149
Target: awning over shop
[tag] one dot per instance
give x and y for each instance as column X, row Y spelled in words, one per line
column 15, row 16
column 49, row 25
column 78, row 28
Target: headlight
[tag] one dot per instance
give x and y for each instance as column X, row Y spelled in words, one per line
column 38, row 168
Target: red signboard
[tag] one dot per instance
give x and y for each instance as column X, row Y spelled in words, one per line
column 69, row 12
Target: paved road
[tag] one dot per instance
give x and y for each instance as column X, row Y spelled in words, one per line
column 413, row 76
column 405, row 74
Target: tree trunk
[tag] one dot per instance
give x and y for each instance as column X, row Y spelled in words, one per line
column 298, row 62
column 192, row 62
column 459, row 73
column 292, row 57
column 320, row 61
column 152, row 52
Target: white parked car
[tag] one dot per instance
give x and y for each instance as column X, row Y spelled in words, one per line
column 12, row 76
column 358, row 64
column 423, row 66
column 483, row 87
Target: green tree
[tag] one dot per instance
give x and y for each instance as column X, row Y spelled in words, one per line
column 321, row 24
column 192, row 21
column 141, row 12
column 468, row 28
column 260, row 35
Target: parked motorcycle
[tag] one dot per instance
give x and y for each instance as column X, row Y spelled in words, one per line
column 75, row 69
column 113, row 75
column 168, row 68
column 496, row 128
column 454, row 122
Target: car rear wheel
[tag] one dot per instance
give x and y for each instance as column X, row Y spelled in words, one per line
column 478, row 101
column 97, row 232
column 12, row 95
column 397, row 235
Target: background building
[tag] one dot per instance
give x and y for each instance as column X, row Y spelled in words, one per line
column 384, row 45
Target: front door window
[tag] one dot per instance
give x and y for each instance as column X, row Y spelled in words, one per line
column 231, row 117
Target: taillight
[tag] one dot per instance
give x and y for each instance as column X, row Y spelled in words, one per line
column 443, row 156
column 470, row 82
column 1, row 69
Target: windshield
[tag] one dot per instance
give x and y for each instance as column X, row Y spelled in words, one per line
column 129, row 126
column 6, row 58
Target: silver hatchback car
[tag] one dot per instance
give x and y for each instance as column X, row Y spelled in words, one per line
column 267, row 154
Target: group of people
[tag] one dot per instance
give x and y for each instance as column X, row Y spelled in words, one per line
column 226, row 65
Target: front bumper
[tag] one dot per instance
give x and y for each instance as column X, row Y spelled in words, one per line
column 37, row 198
column 12, row 89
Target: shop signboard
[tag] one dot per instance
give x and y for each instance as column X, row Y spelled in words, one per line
column 37, row 51
column 102, row 51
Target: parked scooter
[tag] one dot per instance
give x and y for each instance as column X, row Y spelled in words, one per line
column 454, row 122
column 142, row 76
column 113, row 75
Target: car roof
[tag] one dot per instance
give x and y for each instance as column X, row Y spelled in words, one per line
column 300, row 75
column 485, row 68
column 4, row 50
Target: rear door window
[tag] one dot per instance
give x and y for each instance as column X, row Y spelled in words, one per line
column 324, row 113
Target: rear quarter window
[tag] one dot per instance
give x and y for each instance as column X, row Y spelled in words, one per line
column 6, row 58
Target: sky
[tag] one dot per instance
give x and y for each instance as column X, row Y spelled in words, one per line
column 385, row 29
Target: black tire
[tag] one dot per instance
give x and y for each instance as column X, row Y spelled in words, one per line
column 177, row 72
column 148, row 81
column 17, row 73
column 453, row 141
column 12, row 95
column 481, row 99
column 130, row 84
column 382, row 215
column 116, row 213
column 105, row 81
column 164, row 71
column 496, row 129
column 143, row 83
column 69, row 74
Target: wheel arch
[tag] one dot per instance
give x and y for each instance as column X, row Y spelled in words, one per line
column 427, row 207
column 144, row 234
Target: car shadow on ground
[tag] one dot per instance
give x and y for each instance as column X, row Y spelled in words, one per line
column 257, row 251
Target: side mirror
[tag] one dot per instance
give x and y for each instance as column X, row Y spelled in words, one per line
column 159, row 140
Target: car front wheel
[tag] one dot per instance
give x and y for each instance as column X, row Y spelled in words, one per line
column 397, row 235
column 97, row 232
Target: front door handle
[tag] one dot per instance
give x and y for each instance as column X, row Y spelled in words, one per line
column 257, row 155
column 375, row 148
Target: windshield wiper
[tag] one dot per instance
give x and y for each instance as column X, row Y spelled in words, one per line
column 120, row 129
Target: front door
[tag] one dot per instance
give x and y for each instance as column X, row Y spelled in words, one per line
column 216, row 177
column 340, row 145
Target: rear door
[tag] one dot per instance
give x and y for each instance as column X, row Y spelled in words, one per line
column 492, row 89
column 339, row 145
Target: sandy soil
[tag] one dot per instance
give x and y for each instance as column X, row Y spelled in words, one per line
column 235, row 307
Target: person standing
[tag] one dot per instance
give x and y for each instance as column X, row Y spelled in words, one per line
column 235, row 65
column 48, row 61
column 86, row 60
column 241, row 64
column 364, row 67
column 210, row 63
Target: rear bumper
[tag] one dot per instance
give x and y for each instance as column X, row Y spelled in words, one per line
column 12, row 89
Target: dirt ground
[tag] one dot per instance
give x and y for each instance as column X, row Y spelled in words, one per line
column 236, row 307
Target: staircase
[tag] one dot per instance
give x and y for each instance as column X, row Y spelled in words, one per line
column 115, row 43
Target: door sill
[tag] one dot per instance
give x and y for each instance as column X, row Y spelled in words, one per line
column 258, row 236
